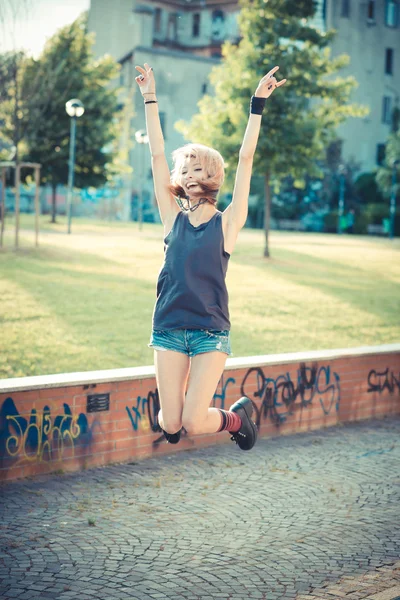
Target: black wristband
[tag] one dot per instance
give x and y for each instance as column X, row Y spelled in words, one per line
column 257, row 105
column 151, row 102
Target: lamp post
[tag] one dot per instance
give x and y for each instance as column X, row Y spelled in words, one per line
column 74, row 109
column 342, row 170
column 393, row 198
column 141, row 138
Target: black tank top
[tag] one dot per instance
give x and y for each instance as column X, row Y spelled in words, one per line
column 191, row 288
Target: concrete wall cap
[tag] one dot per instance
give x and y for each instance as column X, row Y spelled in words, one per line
column 130, row 373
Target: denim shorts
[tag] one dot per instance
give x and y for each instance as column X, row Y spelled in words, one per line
column 191, row 341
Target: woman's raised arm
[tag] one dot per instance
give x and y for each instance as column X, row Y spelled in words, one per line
column 147, row 85
column 161, row 175
column 236, row 212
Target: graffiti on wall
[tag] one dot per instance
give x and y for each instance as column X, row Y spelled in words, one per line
column 279, row 398
column 144, row 414
column 275, row 399
column 219, row 397
column 387, row 380
column 41, row 437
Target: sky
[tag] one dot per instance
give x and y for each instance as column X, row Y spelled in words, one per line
column 28, row 24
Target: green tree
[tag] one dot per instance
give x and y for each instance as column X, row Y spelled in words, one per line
column 12, row 12
column 300, row 119
column 67, row 69
column 11, row 132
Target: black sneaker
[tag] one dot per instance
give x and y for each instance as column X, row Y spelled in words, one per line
column 172, row 438
column 246, row 437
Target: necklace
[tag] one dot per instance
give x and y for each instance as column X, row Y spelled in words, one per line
column 188, row 207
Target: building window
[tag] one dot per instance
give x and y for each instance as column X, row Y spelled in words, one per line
column 172, row 26
column 218, row 26
column 218, row 15
column 392, row 13
column 345, row 9
column 124, row 72
column 196, row 25
column 387, row 110
column 157, row 20
column 371, row 10
column 380, row 153
column 389, row 61
column 162, row 123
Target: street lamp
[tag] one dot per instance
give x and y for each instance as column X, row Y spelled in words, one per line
column 74, row 109
column 141, row 138
column 393, row 198
column 342, row 170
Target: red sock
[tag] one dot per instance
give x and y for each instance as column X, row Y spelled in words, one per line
column 230, row 421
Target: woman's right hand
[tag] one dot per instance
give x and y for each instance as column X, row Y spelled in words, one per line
column 146, row 84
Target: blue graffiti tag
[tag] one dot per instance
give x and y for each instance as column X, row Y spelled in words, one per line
column 40, row 436
column 222, row 395
column 145, row 411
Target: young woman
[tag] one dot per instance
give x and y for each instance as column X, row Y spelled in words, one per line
column 191, row 326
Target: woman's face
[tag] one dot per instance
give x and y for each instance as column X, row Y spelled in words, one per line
column 191, row 173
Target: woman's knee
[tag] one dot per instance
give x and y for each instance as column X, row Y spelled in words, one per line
column 193, row 426
column 170, row 423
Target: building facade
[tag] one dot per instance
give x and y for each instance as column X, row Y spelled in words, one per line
column 182, row 39
column 369, row 32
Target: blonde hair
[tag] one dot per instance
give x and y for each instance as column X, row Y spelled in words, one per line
column 212, row 164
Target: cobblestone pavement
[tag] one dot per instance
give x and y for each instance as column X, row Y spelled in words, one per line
column 304, row 516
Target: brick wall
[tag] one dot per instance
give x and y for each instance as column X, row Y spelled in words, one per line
column 78, row 420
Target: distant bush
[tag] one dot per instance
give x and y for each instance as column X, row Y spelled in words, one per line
column 375, row 213
column 331, row 222
column 370, row 214
column 367, row 189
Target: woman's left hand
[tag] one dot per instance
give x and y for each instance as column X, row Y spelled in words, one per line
column 267, row 84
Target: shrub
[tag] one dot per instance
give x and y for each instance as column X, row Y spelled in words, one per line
column 331, row 222
column 371, row 214
column 367, row 189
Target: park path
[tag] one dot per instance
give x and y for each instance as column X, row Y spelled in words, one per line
column 307, row 516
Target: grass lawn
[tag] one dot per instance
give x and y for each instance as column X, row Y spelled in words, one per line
column 84, row 301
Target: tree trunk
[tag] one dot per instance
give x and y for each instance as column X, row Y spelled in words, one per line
column 267, row 211
column 53, row 202
column 3, row 203
column 17, row 171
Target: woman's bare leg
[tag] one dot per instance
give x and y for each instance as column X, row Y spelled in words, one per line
column 205, row 373
column 172, row 370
